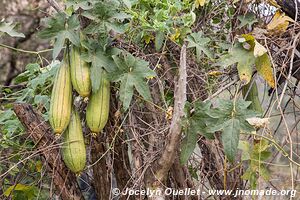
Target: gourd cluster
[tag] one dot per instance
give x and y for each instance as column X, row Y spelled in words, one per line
column 74, row 73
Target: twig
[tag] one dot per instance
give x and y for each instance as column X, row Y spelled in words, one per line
column 221, row 90
column 290, row 70
column 55, row 5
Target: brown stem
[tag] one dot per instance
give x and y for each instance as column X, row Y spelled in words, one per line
column 102, row 181
column 169, row 154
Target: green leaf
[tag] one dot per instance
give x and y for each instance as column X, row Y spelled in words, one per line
column 6, row 115
column 159, row 40
column 194, row 126
column 230, row 138
column 27, row 191
column 261, row 156
column 61, row 27
column 8, row 28
column 76, row 4
column 264, row 172
column 196, row 40
column 106, row 16
column 100, row 57
column 261, row 146
column 194, row 129
column 42, row 100
column 243, row 57
column 248, row 19
column 257, row 168
column 226, row 60
column 252, row 177
column 188, row 144
column 245, row 147
column 128, row 3
column 245, row 71
column 131, row 73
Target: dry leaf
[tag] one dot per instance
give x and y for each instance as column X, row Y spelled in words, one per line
column 199, row 3
column 258, row 122
column 169, row 113
column 279, row 23
column 273, row 3
column 264, row 68
column 259, row 49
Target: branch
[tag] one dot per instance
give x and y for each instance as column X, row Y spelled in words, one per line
column 290, row 70
column 56, row 6
column 41, row 133
column 168, row 155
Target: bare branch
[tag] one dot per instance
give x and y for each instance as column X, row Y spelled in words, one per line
column 168, row 155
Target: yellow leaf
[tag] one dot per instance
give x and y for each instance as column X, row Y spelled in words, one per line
column 245, row 72
column 148, row 38
column 38, row 166
column 215, row 73
column 169, row 113
column 176, row 35
column 259, row 49
column 248, row 41
column 18, row 187
column 273, row 3
column 150, row 77
column 264, row 68
column 279, row 22
column 199, row 3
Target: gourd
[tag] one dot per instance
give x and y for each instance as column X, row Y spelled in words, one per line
column 73, row 148
column 98, row 107
column 80, row 72
column 61, row 98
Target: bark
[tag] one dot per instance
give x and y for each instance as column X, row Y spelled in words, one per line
column 101, row 174
column 168, row 156
column 40, row 132
column 121, row 166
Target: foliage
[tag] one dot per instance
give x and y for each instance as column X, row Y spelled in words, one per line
column 131, row 73
column 60, row 27
column 138, row 41
column 229, row 117
column 8, row 28
column 20, row 191
column 247, row 52
column 37, row 82
column 172, row 19
column 256, row 155
column 196, row 40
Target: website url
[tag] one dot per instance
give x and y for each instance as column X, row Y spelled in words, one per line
column 197, row 192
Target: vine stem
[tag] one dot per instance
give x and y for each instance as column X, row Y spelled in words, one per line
column 25, row 51
column 277, row 146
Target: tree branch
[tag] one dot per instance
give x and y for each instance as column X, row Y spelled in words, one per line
column 169, row 153
column 41, row 133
